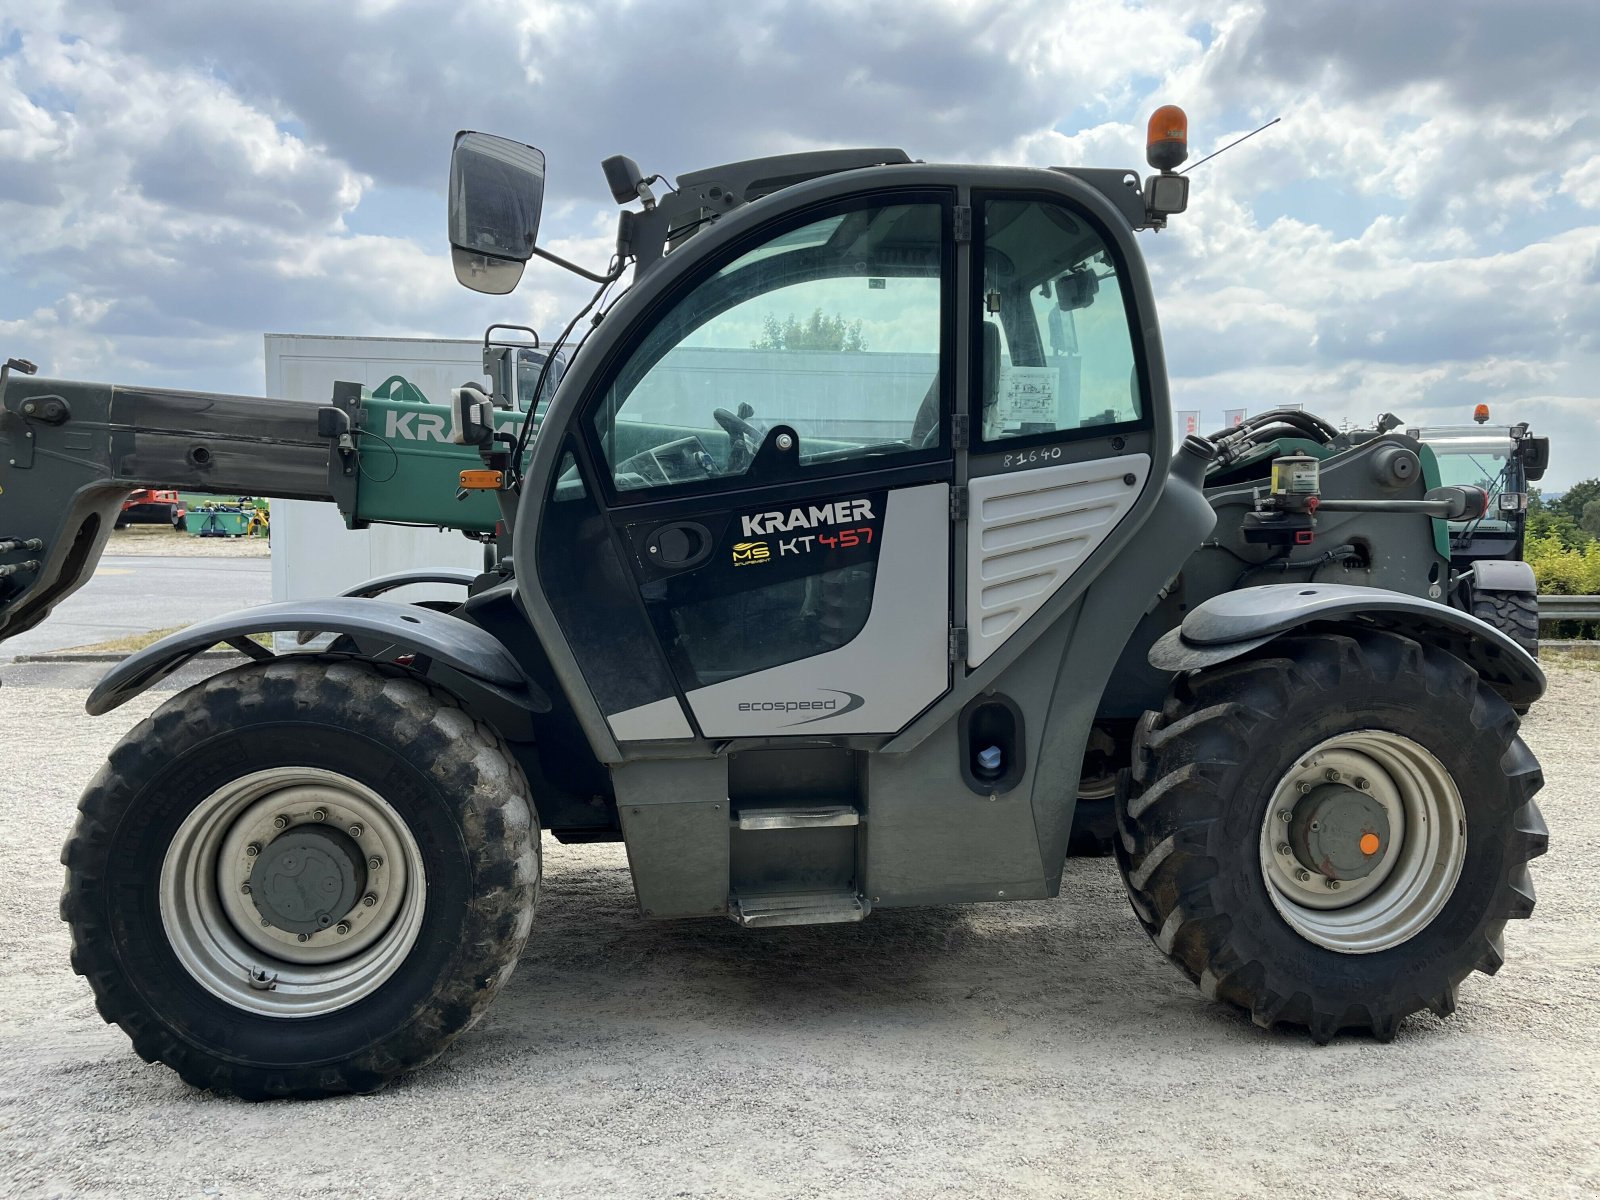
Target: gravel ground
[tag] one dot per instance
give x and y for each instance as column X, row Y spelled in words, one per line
column 161, row 541
column 1024, row 1049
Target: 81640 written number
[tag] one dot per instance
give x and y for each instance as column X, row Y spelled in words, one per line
column 1027, row 458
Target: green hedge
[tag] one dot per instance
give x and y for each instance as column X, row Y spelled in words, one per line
column 1564, row 570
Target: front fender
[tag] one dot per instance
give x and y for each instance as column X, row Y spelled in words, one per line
column 462, row 576
column 1503, row 575
column 460, row 654
column 1234, row 623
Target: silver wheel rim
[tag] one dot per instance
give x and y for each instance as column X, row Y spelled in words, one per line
column 1104, row 785
column 1418, row 868
column 1100, row 787
column 222, row 938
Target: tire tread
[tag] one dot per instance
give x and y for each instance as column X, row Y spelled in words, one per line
column 467, row 760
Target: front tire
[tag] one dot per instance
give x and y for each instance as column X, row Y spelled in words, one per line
column 1094, row 817
column 1403, row 752
column 301, row 878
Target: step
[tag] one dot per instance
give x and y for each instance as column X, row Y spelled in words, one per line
column 799, row 908
column 810, row 816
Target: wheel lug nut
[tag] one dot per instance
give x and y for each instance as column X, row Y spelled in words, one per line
column 1283, row 848
column 253, row 849
column 304, row 937
column 1305, row 787
column 369, row 900
column 1285, row 815
column 1363, row 783
column 318, row 815
column 1333, row 884
column 1303, row 875
column 374, row 863
column 245, row 888
column 280, row 822
column 342, row 927
column 355, row 831
column 264, row 921
column 1331, row 775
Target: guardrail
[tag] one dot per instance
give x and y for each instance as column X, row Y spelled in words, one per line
column 1569, row 608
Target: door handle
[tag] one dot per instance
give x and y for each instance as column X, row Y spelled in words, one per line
column 679, row 546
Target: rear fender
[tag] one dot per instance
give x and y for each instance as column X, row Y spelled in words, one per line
column 460, row 657
column 1234, row 623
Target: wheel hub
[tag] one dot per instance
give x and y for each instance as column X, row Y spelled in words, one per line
column 308, row 878
column 293, row 891
column 1362, row 841
column 1339, row 832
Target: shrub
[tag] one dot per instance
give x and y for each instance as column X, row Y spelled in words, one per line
column 1561, row 569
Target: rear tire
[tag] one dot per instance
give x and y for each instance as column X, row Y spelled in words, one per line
column 1515, row 614
column 1196, row 845
column 169, row 905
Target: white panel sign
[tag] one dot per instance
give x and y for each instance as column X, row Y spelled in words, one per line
column 1028, row 395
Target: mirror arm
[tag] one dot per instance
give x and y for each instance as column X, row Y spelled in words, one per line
column 575, row 268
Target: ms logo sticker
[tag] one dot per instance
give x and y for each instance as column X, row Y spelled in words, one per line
column 748, row 554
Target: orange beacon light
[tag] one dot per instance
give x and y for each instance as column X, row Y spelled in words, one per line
column 1167, row 138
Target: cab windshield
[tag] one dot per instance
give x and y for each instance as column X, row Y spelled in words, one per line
column 1480, row 467
column 832, row 329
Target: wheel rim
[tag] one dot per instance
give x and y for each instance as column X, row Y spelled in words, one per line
column 1098, row 779
column 1419, row 834
column 239, row 929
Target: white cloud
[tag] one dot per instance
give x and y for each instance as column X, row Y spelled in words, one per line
column 1416, row 235
column 1582, row 183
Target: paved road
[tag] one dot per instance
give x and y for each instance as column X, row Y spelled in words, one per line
column 133, row 595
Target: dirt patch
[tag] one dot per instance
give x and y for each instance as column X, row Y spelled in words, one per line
column 161, row 541
column 995, row 1050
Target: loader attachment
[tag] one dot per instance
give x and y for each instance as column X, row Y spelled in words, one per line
column 70, row 453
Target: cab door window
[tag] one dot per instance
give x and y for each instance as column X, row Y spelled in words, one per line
column 833, row 329
column 1056, row 352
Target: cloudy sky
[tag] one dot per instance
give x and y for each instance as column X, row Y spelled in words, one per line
column 1422, row 231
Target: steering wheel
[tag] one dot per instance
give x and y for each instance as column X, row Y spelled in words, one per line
column 744, row 439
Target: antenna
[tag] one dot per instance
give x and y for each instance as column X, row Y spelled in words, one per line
column 1230, row 145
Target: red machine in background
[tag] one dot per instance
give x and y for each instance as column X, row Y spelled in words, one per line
column 152, row 506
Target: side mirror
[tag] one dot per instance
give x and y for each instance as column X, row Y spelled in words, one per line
column 496, row 193
column 1466, row 503
column 1535, row 453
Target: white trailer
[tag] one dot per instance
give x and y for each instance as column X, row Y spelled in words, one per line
column 313, row 554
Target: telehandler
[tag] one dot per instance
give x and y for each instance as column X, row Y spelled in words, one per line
column 847, row 662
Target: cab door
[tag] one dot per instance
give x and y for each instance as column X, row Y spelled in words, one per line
column 753, row 516
column 1060, row 411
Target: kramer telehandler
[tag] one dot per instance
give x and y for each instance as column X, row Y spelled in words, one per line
column 408, row 472
column 847, row 662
